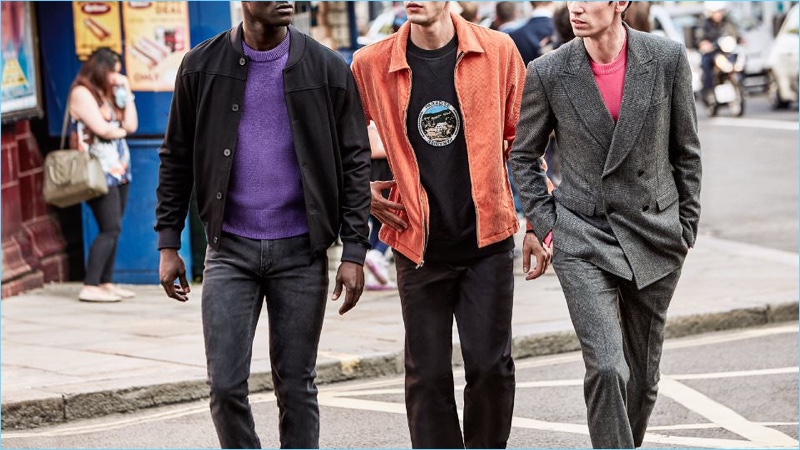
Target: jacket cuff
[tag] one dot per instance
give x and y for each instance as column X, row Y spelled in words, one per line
column 168, row 238
column 354, row 252
column 543, row 226
column 689, row 237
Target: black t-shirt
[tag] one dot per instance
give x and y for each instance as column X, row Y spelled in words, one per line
column 436, row 131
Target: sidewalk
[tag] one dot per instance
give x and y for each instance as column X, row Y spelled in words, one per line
column 64, row 360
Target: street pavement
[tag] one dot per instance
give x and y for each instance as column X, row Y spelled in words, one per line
column 725, row 389
column 64, row 360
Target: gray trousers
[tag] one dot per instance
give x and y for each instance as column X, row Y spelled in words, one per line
column 237, row 279
column 621, row 331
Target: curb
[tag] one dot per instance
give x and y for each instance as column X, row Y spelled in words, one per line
column 51, row 411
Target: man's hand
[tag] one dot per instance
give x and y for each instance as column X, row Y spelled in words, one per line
column 351, row 276
column 542, row 255
column 169, row 268
column 382, row 208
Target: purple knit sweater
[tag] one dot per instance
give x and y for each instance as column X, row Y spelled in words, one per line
column 265, row 194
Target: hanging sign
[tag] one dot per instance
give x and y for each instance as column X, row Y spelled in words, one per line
column 156, row 39
column 96, row 25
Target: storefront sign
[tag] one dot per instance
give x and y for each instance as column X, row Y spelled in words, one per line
column 96, row 25
column 20, row 90
column 156, row 39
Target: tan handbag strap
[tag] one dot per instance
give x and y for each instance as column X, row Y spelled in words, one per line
column 64, row 126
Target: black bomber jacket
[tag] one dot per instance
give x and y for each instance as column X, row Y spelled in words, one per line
column 328, row 128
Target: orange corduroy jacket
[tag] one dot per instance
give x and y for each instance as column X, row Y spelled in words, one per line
column 489, row 78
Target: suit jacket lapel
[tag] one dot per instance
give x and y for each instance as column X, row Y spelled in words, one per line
column 640, row 75
column 582, row 90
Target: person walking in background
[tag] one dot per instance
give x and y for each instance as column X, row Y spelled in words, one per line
column 273, row 192
column 444, row 95
column 716, row 25
column 621, row 222
column 537, row 33
column 505, row 17
column 377, row 276
column 103, row 113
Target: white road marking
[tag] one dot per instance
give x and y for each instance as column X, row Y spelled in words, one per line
column 736, row 335
column 711, row 426
column 722, row 415
column 521, row 422
column 173, row 413
column 754, row 123
column 691, row 376
column 337, row 396
column 742, row 373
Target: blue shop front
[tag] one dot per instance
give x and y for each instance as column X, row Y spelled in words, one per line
column 152, row 38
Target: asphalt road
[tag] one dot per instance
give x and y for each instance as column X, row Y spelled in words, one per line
column 750, row 175
column 734, row 389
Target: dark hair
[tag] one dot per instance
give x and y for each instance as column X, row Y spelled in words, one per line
column 93, row 75
column 505, row 11
column 638, row 17
column 562, row 25
column 626, row 8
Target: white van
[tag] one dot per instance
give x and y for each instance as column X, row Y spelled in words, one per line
column 782, row 63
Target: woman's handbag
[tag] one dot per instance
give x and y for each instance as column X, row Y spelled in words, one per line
column 72, row 176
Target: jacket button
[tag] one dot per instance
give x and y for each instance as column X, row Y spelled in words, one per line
column 216, row 239
column 645, row 208
column 226, row 152
column 219, row 195
column 235, row 107
column 641, row 173
column 242, row 61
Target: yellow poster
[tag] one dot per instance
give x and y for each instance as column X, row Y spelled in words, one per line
column 156, row 38
column 96, row 25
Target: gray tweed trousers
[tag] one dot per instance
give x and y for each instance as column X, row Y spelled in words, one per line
column 621, row 331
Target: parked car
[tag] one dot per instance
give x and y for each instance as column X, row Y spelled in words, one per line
column 782, row 63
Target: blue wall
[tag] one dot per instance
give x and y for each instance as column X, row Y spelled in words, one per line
column 60, row 64
column 137, row 256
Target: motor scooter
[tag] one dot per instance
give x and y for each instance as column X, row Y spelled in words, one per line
column 728, row 69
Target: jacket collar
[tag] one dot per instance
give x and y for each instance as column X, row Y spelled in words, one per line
column 467, row 42
column 297, row 45
column 582, row 91
column 638, row 53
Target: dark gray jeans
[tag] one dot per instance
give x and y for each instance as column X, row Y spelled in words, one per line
column 621, row 330
column 236, row 280
column 479, row 293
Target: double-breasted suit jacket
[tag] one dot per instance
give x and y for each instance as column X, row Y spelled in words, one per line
column 629, row 197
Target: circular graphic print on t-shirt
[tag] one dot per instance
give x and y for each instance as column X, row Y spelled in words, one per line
column 438, row 123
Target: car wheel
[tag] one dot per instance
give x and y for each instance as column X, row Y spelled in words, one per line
column 774, row 93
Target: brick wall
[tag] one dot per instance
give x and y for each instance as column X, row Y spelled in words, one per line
column 32, row 244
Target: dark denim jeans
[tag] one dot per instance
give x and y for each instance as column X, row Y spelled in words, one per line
column 479, row 294
column 237, row 279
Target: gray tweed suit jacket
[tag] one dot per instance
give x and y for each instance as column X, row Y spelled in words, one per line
column 629, row 200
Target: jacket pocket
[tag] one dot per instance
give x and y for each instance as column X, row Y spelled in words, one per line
column 575, row 204
column 667, row 199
